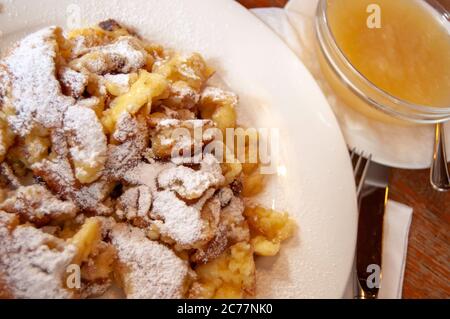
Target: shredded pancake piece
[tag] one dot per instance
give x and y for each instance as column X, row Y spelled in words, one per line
column 35, row 91
column 191, row 184
column 125, row 55
column 232, row 218
column 73, row 83
column 213, row 249
column 91, row 198
column 134, row 206
column 37, row 205
column 177, row 220
column 146, row 268
column 215, row 96
column 181, row 140
column 127, row 155
column 182, row 96
column 87, row 143
column 146, row 174
column 32, row 263
column 58, row 176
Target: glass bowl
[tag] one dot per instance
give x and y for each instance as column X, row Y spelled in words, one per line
column 360, row 93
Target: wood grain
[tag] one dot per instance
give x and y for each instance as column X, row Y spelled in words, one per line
column 428, row 263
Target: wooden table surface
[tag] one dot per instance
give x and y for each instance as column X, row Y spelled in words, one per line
column 428, row 264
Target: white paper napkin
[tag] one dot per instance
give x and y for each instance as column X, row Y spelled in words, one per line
column 294, row 25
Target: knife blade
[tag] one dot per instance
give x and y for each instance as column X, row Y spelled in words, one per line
column 372, row 206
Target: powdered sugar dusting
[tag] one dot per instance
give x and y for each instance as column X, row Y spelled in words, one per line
column 72, row 82
column 86, row 140
column 90, row 197
column 146, row 174
column 180, row 222
column 36, row 204
column 135, row 203
column 123, row 56
column 35, row 91
column 182, row 96
column 130, row 51
column 217, row 95
column 4, row 84
column 31, row 268
column 125, row 128
column 191, row 184
column 151, row 270
column 124, row 157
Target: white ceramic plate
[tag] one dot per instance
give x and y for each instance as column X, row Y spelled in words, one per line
column 275, row 91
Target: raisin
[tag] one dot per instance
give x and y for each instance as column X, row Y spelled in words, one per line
column 110, row 25
column 117, row 191
column 236, row 187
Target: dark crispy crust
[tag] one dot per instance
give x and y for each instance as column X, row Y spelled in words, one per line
column 213, row 249
column 30, row 201
column 110, row 25
column 127, row 155
column 57, row 175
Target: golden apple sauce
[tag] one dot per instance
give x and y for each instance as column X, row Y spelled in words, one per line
column 406, row 55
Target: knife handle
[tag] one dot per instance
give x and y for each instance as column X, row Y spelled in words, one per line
column 369, row 244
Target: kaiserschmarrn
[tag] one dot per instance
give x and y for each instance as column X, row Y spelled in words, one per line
column 91, row 194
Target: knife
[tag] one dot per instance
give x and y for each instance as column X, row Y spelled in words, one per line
column 372, row 206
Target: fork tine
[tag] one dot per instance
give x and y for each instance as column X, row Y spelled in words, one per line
column 360, row 168
column 352, row 154
column 358, row 164
column 363, row 175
